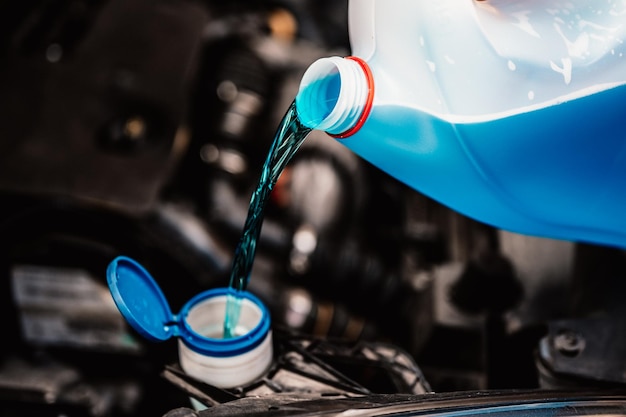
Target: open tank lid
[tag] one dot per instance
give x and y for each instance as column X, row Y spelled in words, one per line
column 140, row 299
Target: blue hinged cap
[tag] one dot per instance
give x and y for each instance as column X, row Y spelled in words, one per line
column 143, row 305
column 140, row 299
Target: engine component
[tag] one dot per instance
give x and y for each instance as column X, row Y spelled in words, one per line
column 498, row 404
column 312, row 366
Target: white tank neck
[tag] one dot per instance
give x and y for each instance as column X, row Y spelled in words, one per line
column 334, row 95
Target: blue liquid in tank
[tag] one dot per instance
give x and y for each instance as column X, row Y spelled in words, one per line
column 557, row 171
column 318, row 100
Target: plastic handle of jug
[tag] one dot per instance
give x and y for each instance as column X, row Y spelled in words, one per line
column 336, row 95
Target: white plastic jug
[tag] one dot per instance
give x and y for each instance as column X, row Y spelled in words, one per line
column 512, row 112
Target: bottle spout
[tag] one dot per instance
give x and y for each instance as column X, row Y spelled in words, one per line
column 335, row 95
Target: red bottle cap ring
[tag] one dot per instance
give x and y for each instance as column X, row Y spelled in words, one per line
column 368, row 103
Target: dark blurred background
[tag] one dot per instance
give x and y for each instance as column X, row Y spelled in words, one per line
column 139, row 127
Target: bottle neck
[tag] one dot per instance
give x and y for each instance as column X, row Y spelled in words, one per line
column 335, row 95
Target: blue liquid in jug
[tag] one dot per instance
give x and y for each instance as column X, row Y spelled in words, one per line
column 289, row 136
column 557, row 171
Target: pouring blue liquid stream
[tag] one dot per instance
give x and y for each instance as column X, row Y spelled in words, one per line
column 289, row 136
